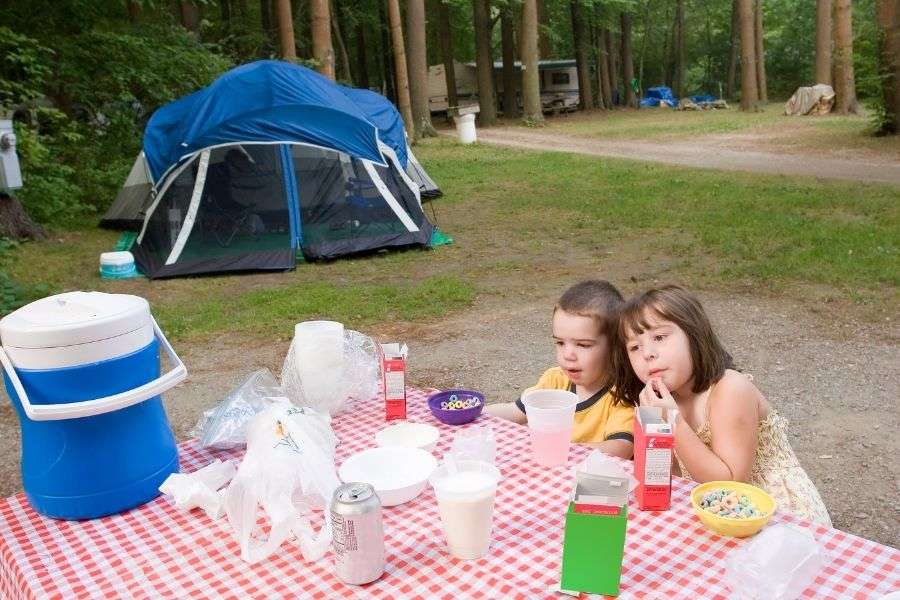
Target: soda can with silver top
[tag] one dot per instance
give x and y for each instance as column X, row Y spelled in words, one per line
column 358, row 540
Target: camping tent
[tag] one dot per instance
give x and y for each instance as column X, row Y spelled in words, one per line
column 269, row 160
column 659, row 96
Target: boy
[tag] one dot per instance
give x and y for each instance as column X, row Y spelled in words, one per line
column 583, row 322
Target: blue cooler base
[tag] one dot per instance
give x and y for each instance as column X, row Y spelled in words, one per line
column 109, row 502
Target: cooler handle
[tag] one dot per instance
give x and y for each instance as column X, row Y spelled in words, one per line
column 89, row 408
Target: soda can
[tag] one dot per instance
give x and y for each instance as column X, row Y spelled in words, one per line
column 358, row 533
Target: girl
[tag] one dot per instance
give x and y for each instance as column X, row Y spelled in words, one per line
column 667, row 355
column 583, row 323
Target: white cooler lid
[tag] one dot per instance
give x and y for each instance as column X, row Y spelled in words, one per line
column 73, row 318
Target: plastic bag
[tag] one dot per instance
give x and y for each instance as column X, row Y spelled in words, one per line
column 778, row 564
column 224, row 426
column 474, row 443
column 333, row 384
column 200, row 488
column 288, row 470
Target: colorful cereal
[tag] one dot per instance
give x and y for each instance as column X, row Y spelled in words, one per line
column 730, row 504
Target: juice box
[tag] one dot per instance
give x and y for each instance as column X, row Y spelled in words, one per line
column 594, row 536
column 393, row 357
column 654, row 443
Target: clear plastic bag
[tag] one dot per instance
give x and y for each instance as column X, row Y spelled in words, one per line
column 288, row 471
column 778, row 564
column 327, row 383
column 474, row 443
column 224, row 426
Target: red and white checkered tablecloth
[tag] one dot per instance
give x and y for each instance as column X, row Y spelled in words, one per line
column 158, row 551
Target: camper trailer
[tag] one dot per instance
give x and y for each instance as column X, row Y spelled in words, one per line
column 558, row 81
column 466, row 86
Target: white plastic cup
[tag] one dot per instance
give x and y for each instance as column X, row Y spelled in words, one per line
column 465, row 128
column 551, row 418
column 465, row 498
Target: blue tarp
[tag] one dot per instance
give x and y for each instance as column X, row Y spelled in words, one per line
column 703, row 98
column 385, row 116
column 655, row 95
column 264, row 101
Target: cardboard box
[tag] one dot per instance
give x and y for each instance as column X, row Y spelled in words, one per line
column 594, row 537
column 394, row 382
column 654, row 443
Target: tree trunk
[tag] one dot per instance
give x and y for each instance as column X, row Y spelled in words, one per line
column 134, row 12
column 603, row 58
column 320, row 31
column 508, row 43
column 417, row 63
column 190, row 16
column 749, row 97
column 679, row 49
column 484, row 64
column 386, row 57
column 823, row 41
column 265, row 18
column 585, row 94
column 403, row 102
column 597, row 56
column 647, row 33
column 609, row 41
column 545, row 50
column 889, row 26
column 531, row 82
column 15, row 223
column 225, row 11
column 761, row 87
column 445, row 34
column 339, row 36
column 844, row 80
column 669, row 53
column 734, row 59
column 627, row 61
column 362, row 56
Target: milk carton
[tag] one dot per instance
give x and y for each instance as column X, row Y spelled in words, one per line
column 393, row 358
column 654, row 442
column 594, row 536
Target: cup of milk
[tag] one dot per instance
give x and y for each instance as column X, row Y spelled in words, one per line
column 465, row 494
column 551, row 418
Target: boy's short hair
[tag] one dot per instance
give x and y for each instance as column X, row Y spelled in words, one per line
column 593, row 298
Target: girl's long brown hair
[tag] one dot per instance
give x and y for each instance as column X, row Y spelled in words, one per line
column 709, row 359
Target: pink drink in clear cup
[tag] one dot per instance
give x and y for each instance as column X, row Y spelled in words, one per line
column 551, row 418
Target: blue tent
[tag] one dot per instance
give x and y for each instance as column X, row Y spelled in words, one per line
column 385, row 116
column 270, row 162
column 659, row 95
column 264, row 101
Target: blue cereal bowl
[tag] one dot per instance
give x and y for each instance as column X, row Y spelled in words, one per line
column 440, row 404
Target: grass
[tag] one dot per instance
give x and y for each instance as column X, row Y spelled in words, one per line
column 530, row 219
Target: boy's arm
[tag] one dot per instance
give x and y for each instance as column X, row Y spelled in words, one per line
column 621, row 448
column 508, row 411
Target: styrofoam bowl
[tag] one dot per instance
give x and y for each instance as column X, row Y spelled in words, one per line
column 398, row 474
column 409, row 435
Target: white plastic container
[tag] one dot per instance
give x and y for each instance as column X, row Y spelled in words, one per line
column 465, row 128
column 117, row 265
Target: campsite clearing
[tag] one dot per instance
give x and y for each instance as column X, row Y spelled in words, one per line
column 800, row 275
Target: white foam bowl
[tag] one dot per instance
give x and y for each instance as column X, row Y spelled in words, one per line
column 398, row 474
column 409, row 435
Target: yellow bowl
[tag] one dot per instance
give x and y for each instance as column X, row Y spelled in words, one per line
column 734, row 527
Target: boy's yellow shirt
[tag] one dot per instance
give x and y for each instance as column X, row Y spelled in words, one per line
column 597, row 419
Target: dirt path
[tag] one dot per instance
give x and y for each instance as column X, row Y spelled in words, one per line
column 705, row 153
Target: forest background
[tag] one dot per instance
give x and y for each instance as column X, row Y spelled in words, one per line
column 82, row 77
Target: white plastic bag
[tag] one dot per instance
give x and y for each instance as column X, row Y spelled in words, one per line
column 314, row 376
column 474, row 443
column 200, row 489
column 288, row 470
column 224, row 426
column 778, row 564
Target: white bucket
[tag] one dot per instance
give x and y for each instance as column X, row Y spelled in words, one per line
column 465, row 128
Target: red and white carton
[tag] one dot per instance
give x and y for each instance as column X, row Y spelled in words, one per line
column 393, row 357
column 654, row 443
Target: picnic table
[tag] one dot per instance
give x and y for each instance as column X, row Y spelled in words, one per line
column 158, row 551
